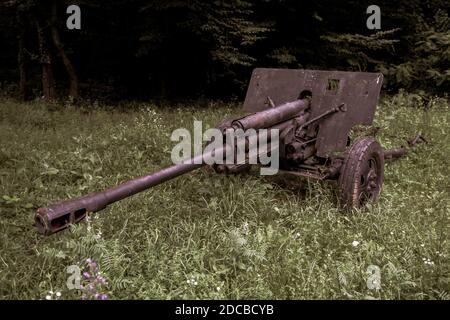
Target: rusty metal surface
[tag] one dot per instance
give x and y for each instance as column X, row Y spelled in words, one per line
column 394, row 153
column 270, row 117
column 310, row 125
column 402, row 150
column 359, row 91
column 58, row 216
column 419, row 138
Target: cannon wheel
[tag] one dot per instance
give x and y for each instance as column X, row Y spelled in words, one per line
column 362, row 173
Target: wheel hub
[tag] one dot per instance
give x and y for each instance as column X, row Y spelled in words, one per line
column 369, row 182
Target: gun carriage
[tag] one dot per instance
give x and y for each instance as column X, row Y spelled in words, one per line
column 313, row 112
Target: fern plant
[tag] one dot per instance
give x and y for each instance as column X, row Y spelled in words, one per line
column 429, row 65
column 357, row 50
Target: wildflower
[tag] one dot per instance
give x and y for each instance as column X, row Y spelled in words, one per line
column 104, row 296
column 48, row 297
column 428, row 262
column 276, row 209
column 58, row 294
column 93, row 281
column 440, row 254
column 245, row 228
column 355, row 243
column 218, row 288
column 98, row 236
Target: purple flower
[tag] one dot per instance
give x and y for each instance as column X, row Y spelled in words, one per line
column 93, row 282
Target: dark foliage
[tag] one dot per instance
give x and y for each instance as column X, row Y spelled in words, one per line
column 194, row 48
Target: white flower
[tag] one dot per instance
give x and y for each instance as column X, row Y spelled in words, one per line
column 48, row 297
column 355, row 243
column 58, row 294
column 428, row 262
column 218, row 288
column 195, row 283
column 245, row 228
column 276, row 209
column 98, row 236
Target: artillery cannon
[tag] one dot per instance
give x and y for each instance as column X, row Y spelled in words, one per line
column 313, row 112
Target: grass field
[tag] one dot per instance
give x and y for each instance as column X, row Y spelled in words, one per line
column 209, row 236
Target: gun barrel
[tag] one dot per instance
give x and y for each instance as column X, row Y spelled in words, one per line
column 272, row 116
column 58, row 216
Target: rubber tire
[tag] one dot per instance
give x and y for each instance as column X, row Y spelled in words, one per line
column 356, row 164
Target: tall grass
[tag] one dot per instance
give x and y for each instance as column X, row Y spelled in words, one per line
column 209, row 236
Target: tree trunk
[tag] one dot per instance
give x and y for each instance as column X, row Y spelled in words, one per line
column 48, row 82
column 23, row 73
column 23, row 58
column 73, row 78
